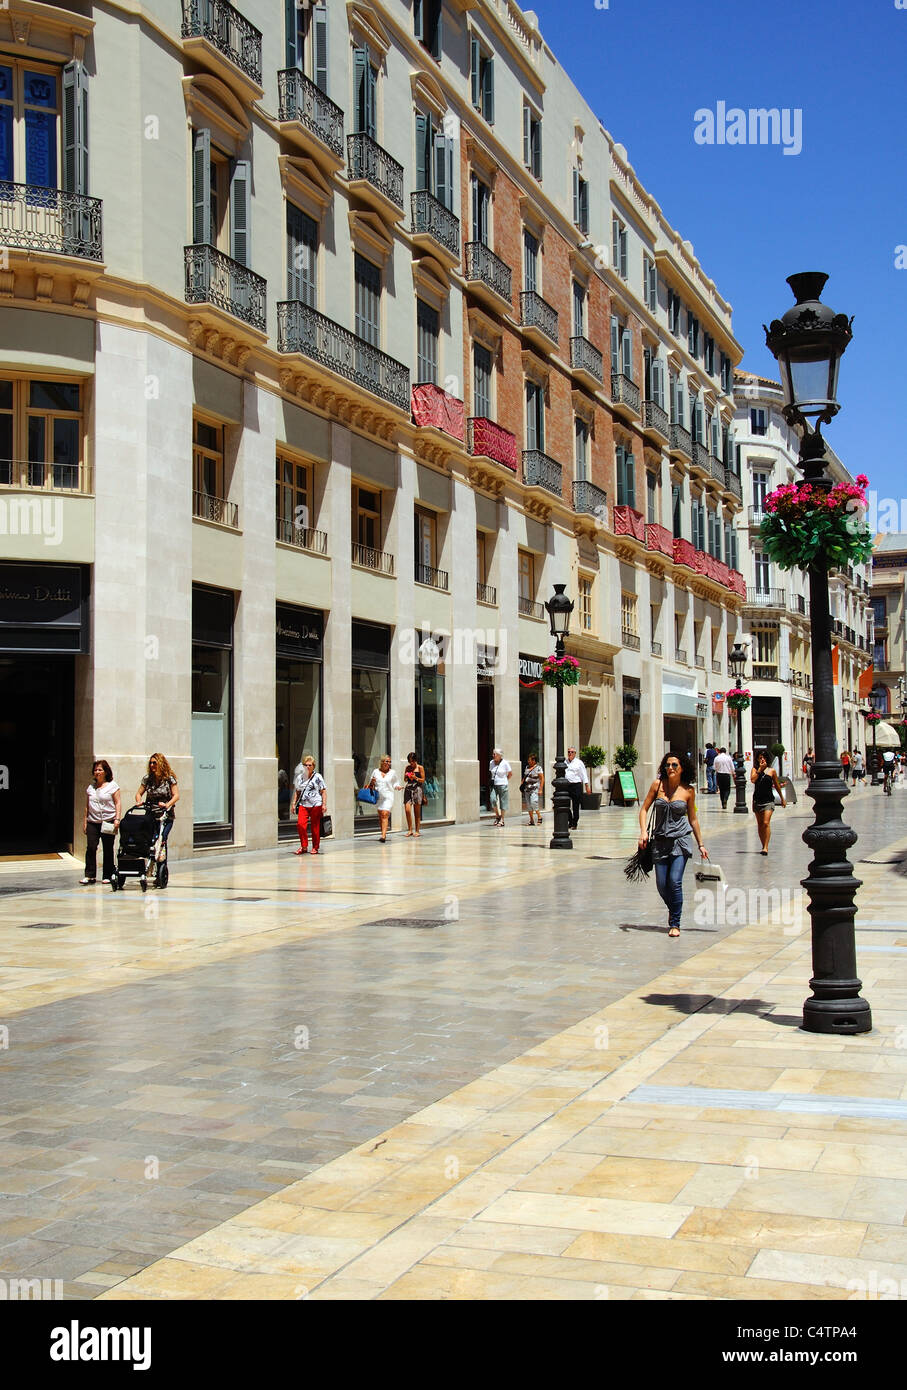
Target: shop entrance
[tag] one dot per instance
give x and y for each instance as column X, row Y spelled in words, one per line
column 37, row 696
column 485, row 726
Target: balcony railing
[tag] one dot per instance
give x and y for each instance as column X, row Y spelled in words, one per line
column 624, row 391
column 229, row 32
column 764, row 671
column 218, row 509
column 716, row 668
column 41, row 477
column 656, row 419
column 438, row 409
column 659, row 538
column 483, row 265
column 528, row 608
column 765, row 598
column 732, row 482
column 302, row 329
column 681, row 441
column 629, row 522
column 685, row 553
column 536, row 312
column 718, row 470
column 589, row 498
column 369, row 162
column 432, row 218
column 33, row 218
column 367, row 558
column 213, row 278
column 801, row 679
column 700, row 662
column 585, row 357
column 302, row 537
column 299, row 99
column 541, row 471
column 656, row 648
column 755, row 515
column 489, row 440
column 487, row 593
column 701, row 457
column 427, row 574
column 680, row 656
column 629, row 639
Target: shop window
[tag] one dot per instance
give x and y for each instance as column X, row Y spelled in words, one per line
column 212, row 684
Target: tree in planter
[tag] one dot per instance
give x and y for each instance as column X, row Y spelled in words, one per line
column 592, row 756
column 777, row 751
column 626, row 757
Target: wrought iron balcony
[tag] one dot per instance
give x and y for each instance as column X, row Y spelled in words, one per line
column 536, row 313
column 701, row 457
column 208, row 508
column 765, row 671
column 589, row 498
column 484, row 268
column 227, row 30
column 371, row 165
column 627, row 521
column 624, row 392
column 427, row 574
column 302, row 329
column 530, row 609
column 656, row 647
column 213, row 278
column 680, row 656
column 586, row 359
column 765, row 598
column 302, row 537
column 755, row 515
column 681, row 441
column 487, row 593
column 33, row 218
column 366, row 557
column 299, row 99
column 486, row 439
column 541, row 471
column 629, row 639
column 25, row 476
column 655, row 420
column 801, row 605
column 432, row 219
column 732, row 482
column 719, row 472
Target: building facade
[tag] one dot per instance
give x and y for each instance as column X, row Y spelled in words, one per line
column 331, row 338
column 889, row 593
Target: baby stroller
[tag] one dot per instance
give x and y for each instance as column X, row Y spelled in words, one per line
column 140, row 834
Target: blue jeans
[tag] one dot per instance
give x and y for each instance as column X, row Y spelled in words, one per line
column 669, row 882
column 710, row 779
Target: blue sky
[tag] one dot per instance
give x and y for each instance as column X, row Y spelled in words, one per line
column 754, row 214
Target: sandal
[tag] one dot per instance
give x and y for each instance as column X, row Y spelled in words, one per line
column 88, row 880
column 674, row 931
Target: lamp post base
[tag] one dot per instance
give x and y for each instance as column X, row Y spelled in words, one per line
column 561, row 806
column 845, row 1015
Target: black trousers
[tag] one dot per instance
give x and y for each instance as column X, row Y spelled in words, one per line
column 724, row 787
column 576, row 790
column 93, row 834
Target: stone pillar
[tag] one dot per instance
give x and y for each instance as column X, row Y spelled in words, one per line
column 462, row 719
column 336, row 694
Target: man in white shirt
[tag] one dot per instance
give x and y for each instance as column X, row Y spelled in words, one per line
column 577, row 779
column 501, row 773
column 724, row 770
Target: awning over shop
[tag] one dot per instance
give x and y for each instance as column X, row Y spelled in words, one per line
column 678, row 694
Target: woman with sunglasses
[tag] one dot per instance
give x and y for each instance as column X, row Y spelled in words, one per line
column 675, row 833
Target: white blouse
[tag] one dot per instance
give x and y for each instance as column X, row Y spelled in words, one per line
column 101, row 805
column 385, row 785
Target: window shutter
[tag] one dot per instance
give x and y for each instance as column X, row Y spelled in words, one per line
column 423, row 164
column 435, row 36
column 623, row 254
column 240, row 211
column 320, row 34
column 201, row 187
column 444, row 169
column 527, row 151
column 75, row 128
column 474, row 69
column 631, row 480
column 576, row 213
column 294, row 238
column 418, row 21
column 615, row 345
column 488, row 91
column 626, row 348
column 615, row 244
column 290, row 12
column 371, row 126
column 531, row 420
column 360, row 63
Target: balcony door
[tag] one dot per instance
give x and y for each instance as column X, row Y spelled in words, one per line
column 307, row 40
column 762, row 571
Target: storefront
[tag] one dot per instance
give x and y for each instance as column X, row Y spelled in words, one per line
column 212, row 715
column 430, row 742
column 370, row 710
column 299, row 647
column 766, row 725
column 486, row 665
column 532, row 712
column 43, row 628
column 680, row 707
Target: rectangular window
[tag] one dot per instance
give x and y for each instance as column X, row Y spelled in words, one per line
column 580, row 202
column 581, row 453
column 674, row 307
column 626, row 477
column 696, row 422
column 427, row 25
column 481, row 381
column 629, row 619
column 579, row 309
column 709, row 354
column 428, row 323
column 481, row 197
column 619, row 247
column 763, row 571
column 649, row 283
column 532, row 141
column 293, row 513
column 651, row 497
column 693, row 334
column 481, row 559
column 585, row 604
column 41, row 434
column 302, row 256
column 208, row 465
column 758, row 421
column 535, row 417
column 675, row 511
column 530, row 261
column 621, row 348
column 482, row 79
column 367, row 517
column 424, row 548
column 725, row 373
column 880, row 610
column 760, row 489
column 365, row 87
column 526, row 575
column 368, row 300
column 306, row 35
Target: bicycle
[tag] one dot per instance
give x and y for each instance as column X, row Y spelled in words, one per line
column 887, row 780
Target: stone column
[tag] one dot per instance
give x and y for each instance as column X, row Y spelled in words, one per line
column 336, row 692
column 462, row 717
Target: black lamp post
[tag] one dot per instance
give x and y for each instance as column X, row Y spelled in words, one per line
column 559, row 609
column 808, row 342
column 875, row 756
column 737, row 663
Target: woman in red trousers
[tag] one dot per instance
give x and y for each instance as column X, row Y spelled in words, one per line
column 311, row 798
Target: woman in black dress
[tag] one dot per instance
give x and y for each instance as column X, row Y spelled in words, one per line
column 765, row 782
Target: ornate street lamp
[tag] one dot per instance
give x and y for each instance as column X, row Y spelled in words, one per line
column 808, row 342
column 874, row 782
column 559, row 609
column 737, row 662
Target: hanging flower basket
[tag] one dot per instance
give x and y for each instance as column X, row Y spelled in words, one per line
column 560, row 671
column 738, row 700
column 873, row 719
column 806, row 525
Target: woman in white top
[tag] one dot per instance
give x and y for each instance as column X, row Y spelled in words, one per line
column 311, row 796
column 385, row 783
column 102, row 805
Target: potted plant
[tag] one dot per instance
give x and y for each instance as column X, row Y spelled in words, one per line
column 592, row 757
column 777, row 751
column 626, row 756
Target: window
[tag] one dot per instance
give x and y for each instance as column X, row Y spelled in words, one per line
column 427, row 25
column 715, row 436
column 526, row 575
column 580, row 202
column 428, row 323
column 728, row 452
column 674, row 307
column 725, row 373
column 713, row 531
column 629, row 619
column 626, row 477
column 307, row 41
column 649, row 283
column 532, row 141
column 619, row 247
column 692, row 334
column 709, row 354
column 585, row 604
column 581, row 453
column 424, row 544
column 434, row 160
column 535, row 417
column 367, row 517
column 675, row 511
column 302, row 256
column 654, row 378
column 758, row 421
column 697, row 524
column 292, row 499
column 481, row 381
column 481, row 197
column 482, row 79
column 765, row 646
column 760, row 488
column 676, row 399
column 763, row 572
column 481, row 559
column 41, row 434
column 368, row 300
column 621, row 348
column 30, row 125
column 879, row 610
column 730, row 548
column 696, row 420
column 365, row 86
column 221, row 199
column 207, row 463
column 530, row 261
column 651, row 497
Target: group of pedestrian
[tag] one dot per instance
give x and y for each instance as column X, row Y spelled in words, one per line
column 158, row 789
column 532, row 786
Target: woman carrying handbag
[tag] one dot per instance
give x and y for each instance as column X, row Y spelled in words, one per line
column 311, row 800
column 767, row 793
column 675, row 832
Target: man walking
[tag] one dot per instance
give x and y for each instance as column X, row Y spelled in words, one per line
column 711, row 754
column 577, row 779
column 724, row 773
column 501, row 773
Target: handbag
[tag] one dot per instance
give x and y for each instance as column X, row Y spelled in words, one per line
column 709, row 872
column 641, row 863
column 327, row 826
column 366, row 794
column 108, row 827
column 776, row 796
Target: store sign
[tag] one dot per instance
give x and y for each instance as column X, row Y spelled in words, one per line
column 300, row 632
column 531, row 668
column 702, row 709
column 42, row 608
column 486, row 662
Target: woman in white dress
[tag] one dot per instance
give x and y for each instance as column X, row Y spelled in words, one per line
column 385, row 783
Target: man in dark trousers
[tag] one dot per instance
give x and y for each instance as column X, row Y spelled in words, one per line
column 711, row 785
column 577, row 779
